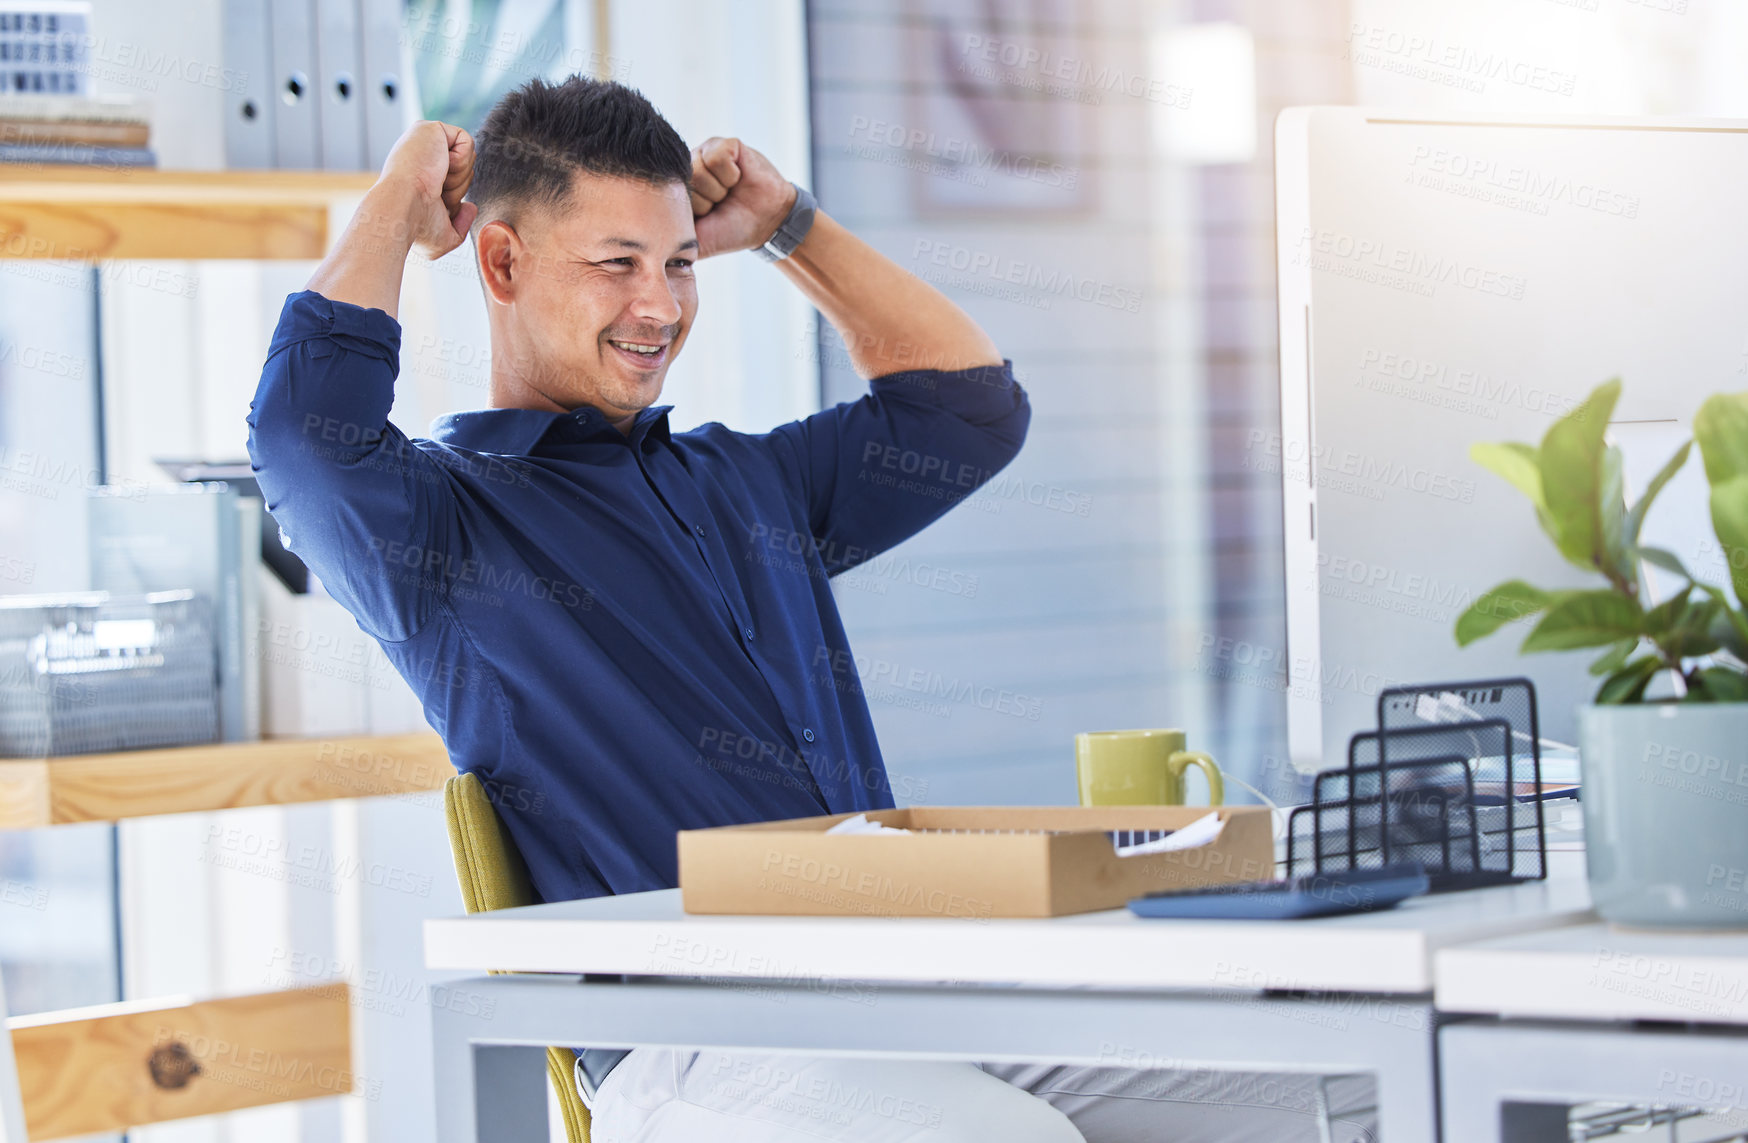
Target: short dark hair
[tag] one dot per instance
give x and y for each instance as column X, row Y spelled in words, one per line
column 540, row 135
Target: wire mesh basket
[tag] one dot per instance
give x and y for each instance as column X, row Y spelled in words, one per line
column 1451, row 779
column 1495, row 724
column 93, row 672
column 1371, row 817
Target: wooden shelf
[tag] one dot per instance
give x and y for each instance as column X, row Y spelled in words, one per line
column 126, row 1065
column 38, row 792
column 89, row 213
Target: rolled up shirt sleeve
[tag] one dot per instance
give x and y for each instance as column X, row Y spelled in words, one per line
column 356, row 499
column 876, row 471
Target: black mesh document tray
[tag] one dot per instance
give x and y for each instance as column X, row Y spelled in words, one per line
column 1450, row 779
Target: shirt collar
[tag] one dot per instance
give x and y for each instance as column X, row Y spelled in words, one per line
column 651, row 422
column 516, row 432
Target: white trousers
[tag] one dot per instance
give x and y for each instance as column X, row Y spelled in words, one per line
column 657, row 1095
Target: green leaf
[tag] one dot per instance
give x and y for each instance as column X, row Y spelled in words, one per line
column 1493, row 609
column 1666, row 560
column 1636, row 518
column 1628, row 684
column 1690, row 635
column 1721, row 429
column 1516, row 462
column 1520, row 464
column 1585, row 619
column 1737, row 639
column 1728, row 630
column 1717, row 684
column 1574, row 480
column 1730, row 522
column 1613, row 554
column 1662, row 618
column 1615, row 659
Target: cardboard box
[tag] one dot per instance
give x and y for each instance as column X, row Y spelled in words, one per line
column 1006, row 863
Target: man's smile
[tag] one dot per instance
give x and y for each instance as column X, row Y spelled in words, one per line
column 642, row 355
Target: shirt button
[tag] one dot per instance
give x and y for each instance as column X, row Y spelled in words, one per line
column 699, row 528
column 748, row 633
column 807, row 734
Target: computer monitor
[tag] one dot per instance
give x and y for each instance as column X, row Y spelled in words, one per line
column 1447, row 279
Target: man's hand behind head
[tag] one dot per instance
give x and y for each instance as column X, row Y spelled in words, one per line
column 433, row 164
column 738, row 196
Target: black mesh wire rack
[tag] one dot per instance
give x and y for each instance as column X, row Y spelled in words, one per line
column 1451, row 779
column 1390, row 814
column 1508, row 774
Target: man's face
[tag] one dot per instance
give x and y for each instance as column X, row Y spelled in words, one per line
column 603, row 296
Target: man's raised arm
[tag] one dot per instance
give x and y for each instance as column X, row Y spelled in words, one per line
column 888, row 317
column 357, row 501
column 943, row 414
column 416, row 203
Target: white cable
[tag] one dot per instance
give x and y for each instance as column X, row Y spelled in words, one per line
column 1276, row 815
column 1451, row 701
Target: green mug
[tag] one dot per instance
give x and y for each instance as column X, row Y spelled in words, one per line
column 1139, row 768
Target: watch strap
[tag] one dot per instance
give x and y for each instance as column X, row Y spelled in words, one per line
column 794, row 228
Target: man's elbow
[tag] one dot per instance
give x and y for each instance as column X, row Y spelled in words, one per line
column 285, row 449
column 272, row 438
column 1008, row 432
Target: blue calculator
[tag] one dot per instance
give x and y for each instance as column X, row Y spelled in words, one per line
column 1308, row 895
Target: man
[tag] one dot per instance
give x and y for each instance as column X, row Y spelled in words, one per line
column 627, row 632
column 608, row 622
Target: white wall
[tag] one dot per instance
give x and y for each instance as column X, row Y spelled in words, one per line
column 1088, row 555
column 1622, row 57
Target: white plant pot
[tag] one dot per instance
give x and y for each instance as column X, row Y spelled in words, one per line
column 1665, row 800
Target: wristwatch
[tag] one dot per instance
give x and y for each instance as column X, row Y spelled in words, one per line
column 789, row 235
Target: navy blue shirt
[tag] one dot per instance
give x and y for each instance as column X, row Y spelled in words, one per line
column 623, row 635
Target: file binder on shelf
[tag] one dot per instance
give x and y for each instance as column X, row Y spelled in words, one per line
column 337, row 85
column 250, row 98
column 297, row 113
column 315, row 84
column 385, row 96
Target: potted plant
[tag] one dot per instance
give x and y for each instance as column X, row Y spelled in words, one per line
column 1664, row 746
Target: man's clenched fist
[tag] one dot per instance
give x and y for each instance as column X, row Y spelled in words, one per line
column 433, row 164
column 738, row 197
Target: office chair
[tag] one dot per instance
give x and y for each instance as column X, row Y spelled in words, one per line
column 494, row 876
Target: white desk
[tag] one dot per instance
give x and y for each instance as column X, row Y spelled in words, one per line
column 1598, row 972
column 649, row 934
column 1563, row 998
column 1336, row 995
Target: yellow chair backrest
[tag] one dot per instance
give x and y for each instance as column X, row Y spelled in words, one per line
column 494, row 876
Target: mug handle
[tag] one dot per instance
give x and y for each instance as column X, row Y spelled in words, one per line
column 1184, row 759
